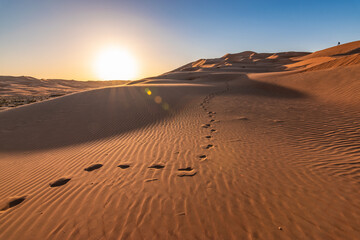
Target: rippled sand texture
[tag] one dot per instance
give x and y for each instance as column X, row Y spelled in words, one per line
column 247, row 146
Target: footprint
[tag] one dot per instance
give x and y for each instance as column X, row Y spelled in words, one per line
column 60, row 182
column 202, row 156
column 157, row 166
column 13, row 202
column 278, row 121
column 208, row 146
column 207, row 136
column 187, row 174
column 185, row 169
column 212, row 120
column 151, row 179
column 124, row 166
column 93, row 167
column 242, row 118
column 212, row 130
column 206, row 125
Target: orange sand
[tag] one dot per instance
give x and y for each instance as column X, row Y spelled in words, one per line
column 247, row 146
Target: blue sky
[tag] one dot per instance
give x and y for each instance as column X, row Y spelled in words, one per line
column 58, row 39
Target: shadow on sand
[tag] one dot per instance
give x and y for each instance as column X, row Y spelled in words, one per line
column 102, row 113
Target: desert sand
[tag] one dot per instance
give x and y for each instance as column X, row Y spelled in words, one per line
column 245, row 146
column 17, row 91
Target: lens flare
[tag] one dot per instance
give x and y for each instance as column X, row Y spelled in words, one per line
column 148, row 91
column 158, row 99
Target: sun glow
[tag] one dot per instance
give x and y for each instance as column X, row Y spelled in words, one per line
column 114, row 63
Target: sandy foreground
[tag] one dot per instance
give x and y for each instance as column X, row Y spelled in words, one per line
column 246, row 146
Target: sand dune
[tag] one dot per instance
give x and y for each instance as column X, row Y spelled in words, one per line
column 337, row 62
column 245, row 146
column 339, row 56
column 16, row 91
column 341, row 50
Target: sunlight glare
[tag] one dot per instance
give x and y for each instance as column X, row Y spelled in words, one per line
column 114, row 63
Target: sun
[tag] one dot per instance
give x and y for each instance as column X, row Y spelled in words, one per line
column 115, row 63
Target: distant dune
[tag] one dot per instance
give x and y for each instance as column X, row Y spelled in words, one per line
column 244, row 146
column 16, row 91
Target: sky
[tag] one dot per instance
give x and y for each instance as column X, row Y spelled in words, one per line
column 62, row 39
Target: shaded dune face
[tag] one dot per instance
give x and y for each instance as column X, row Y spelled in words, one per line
column 264, row 89
column 102, row 113
column 245, row 85
column 87, row 116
